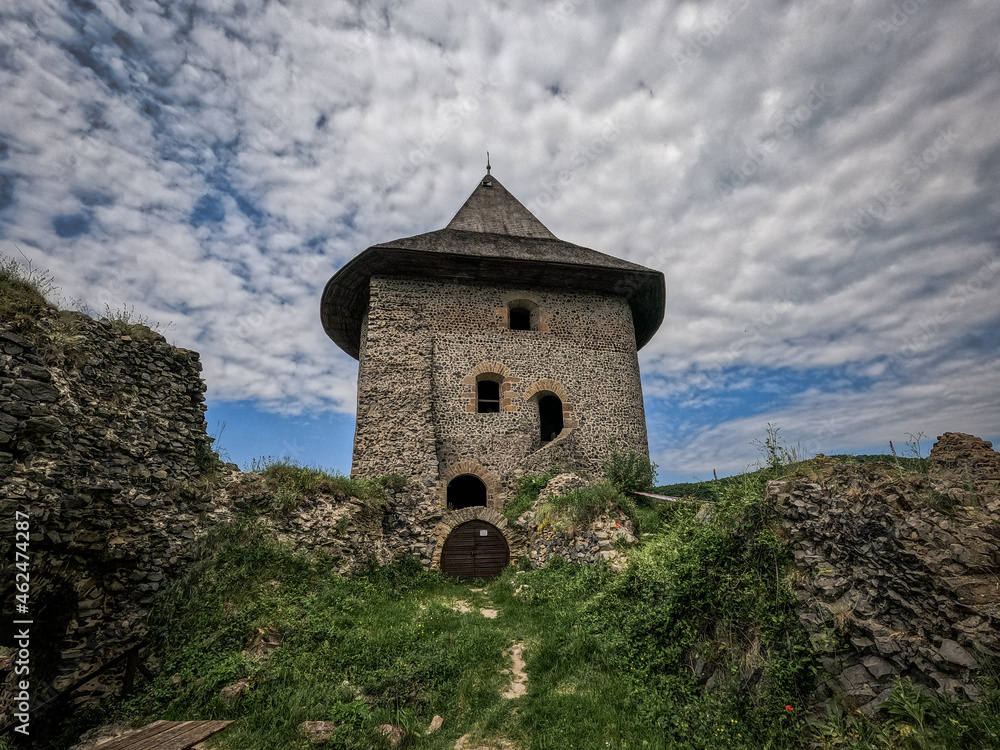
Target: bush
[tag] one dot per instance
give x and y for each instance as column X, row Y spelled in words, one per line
column 580, row 507
column 528, row 489
column 629, row 471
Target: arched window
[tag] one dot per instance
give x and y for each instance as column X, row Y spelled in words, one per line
column 550, row 415
column 520, row 319
column 487, row 396
column 466, row 491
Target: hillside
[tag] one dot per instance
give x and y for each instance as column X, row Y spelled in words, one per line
column 698, row 642
column 837, row 602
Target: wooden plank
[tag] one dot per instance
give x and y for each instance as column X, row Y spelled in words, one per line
column 130, row 740
column 191, row 735
column 467, row 554
column 168, row 735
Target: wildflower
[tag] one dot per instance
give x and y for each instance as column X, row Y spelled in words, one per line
column 789, row 708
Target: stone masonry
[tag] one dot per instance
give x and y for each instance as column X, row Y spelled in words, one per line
column 426, row 342
column 102, row 440
column 898, row 571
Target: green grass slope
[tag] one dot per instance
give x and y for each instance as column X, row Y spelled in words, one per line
column 695, row 645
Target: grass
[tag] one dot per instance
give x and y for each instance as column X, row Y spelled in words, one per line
column 287, row 485
column 528, row 489
column 23, row 294
column 580, row 507
column 615, row 660
column 128, row 322
column 606, row 654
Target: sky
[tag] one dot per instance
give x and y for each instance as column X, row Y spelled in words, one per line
column 819, row 181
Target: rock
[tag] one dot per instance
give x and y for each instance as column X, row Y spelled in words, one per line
column 392, row 733
column 952, row 652
column 894, row 568
column 316, row 732
column 33, row 390
column 562, row 484
column 436, row 723
column 231, row 693
column 879, row 667
column 265, row 640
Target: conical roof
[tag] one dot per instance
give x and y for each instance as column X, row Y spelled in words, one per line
column 493, row 236
column 491, row 209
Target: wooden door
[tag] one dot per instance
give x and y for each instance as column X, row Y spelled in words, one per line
column 475, row 549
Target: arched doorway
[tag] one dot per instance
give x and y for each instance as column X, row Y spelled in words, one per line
column 466, row 491
column 475, row 549
column 550, row 416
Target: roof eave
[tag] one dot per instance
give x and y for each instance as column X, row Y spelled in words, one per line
column 345, row 297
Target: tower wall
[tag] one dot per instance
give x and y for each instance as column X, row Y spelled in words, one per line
column 424, row 344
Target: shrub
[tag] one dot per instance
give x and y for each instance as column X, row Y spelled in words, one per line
column 629, row 471
column 580, row 507
column 528, row 489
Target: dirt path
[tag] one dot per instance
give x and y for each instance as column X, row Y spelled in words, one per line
column 519, row 678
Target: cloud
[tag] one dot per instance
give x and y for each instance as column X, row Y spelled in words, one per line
column 817, row 180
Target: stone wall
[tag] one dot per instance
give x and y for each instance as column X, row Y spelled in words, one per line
column 591, row 544
column 103, row 444
column 898, row 573
column 353, row 532
column 966, row 457
column 425, row 344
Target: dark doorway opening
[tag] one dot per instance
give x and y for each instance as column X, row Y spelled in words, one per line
column 466, row 491
column 550, row 414
column 520, row 319
column 487, row 397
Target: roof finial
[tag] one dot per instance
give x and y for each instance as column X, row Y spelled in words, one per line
column 487, row 162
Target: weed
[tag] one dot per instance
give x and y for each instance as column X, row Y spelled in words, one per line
column 941, row 502
column 130, row 323
column 909, row 702
column 913, row 444
column 776, row 454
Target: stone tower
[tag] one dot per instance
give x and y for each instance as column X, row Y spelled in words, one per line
column 490, row 349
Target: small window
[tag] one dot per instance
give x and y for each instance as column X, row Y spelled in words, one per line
column 520, row 319
column 487, row 397
column 550, row 415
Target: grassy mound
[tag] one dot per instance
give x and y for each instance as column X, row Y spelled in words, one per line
column 695, row 645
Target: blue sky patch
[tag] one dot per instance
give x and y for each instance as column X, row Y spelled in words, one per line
column 245, row 432
column 208, row 210
column 71, row 225
column 738, row 392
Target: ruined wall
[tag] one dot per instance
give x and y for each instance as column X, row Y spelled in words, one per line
column 898, row 572
column 589, row 544
column 102, row 443
column 427, row 342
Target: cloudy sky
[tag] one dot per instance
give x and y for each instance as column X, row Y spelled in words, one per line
column 818, row 180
